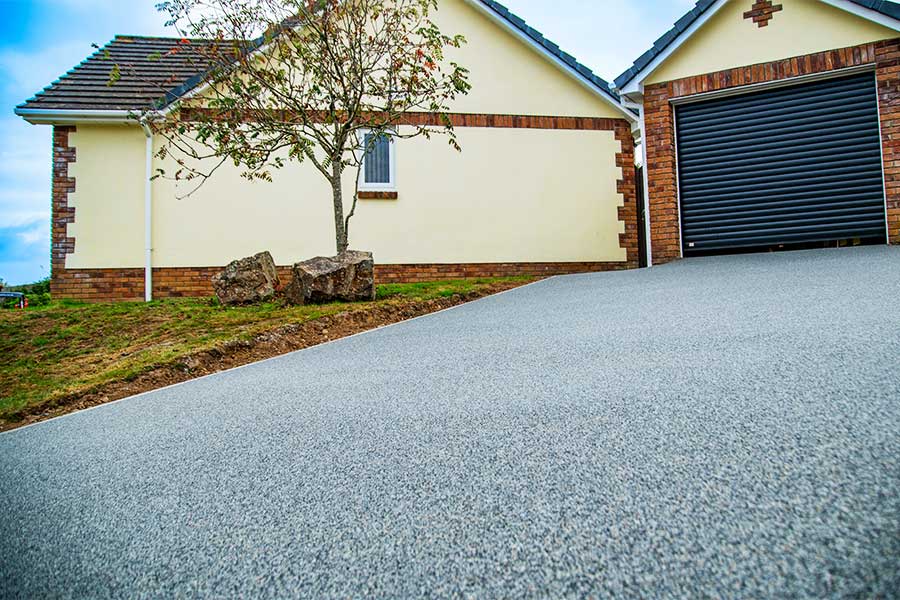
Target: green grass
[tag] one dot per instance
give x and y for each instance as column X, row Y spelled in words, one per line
column 67, row 347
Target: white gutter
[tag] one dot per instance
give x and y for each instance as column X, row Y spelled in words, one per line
column 148, row 215
column 44, row 116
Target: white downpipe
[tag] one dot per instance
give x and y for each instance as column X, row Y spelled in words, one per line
column 148, row 216
column 646, row 184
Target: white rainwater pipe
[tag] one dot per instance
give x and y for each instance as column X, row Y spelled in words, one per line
column 148, row 215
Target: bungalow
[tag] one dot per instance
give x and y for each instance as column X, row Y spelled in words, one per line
column 771, row 125
column 545, row 183
column 764, row 125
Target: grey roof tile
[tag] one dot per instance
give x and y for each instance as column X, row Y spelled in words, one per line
column 157, row 71
column 149, row 67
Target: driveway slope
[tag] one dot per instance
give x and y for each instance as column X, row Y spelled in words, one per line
column 724, row 427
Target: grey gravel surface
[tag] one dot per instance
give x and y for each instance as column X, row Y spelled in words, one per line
column 719, row 427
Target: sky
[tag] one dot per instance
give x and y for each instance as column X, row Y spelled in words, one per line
column 42, row 39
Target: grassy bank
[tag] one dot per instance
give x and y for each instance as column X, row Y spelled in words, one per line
column 65, row 348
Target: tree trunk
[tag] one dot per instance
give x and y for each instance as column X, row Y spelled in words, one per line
column 340, row 231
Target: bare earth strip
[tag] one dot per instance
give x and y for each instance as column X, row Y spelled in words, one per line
column 347, row 320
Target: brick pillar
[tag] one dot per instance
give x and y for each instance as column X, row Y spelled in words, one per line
column 662, row 195
column 887, row 60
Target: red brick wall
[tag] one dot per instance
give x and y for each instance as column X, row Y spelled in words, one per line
column 887, row 57
column 662, row 192
column 660, row 125
column 103, row 285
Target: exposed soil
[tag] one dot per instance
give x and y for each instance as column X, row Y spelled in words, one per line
column 265, row 345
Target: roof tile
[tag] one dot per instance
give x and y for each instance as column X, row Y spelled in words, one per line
column 149, row 67
column 155, row 72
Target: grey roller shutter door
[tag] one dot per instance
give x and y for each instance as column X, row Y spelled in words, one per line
column 789, row 165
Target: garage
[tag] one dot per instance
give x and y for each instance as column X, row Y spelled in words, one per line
column 794, row 164
column 770, row 125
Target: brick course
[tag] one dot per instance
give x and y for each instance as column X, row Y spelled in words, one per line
column 659, row 118
column 427, row 119
column 104, row 285
column 170, row 282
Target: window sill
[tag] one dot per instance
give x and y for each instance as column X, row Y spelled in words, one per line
column 376, row 195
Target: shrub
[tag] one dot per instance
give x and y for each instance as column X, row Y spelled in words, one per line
column 38, row 293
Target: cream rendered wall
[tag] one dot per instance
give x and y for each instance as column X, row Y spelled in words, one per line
column 108, row 197
column 505, row 198
column 728, row 40
column 512, row 195
column 509, row 77
column 506, row 74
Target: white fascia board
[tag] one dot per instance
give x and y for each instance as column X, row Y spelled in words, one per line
column 578, row 77
column 636, row 84
column 865, row 13
column 42, row 116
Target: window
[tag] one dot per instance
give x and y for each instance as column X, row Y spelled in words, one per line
column 378, row 169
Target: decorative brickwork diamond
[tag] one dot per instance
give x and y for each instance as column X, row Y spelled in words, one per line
column 762, row 12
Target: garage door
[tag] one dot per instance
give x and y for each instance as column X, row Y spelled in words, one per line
column 789, row 165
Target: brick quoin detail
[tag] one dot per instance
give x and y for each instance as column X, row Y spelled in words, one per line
column 660, row 123
column 61, row 213
column 102, row 285
column 627, row 186
column 762, row 12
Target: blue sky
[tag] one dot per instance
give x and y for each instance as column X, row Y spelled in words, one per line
column 42, row 39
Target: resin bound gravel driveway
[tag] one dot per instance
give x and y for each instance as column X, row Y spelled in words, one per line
column 720, row 427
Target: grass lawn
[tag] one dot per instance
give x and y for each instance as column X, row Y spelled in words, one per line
column 66, row 348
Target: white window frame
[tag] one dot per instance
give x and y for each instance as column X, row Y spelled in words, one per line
column 391, row 186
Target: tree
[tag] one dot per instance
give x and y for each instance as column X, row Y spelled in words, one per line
column 304, row 81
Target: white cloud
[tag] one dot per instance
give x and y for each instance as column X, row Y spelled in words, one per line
column 605, row 35
column 137, row 17
column 25, row 166
column 70, row 27
column 14, row 217
column 37, row 234
column 26, row 72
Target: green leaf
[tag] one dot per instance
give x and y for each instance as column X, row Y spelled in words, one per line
column 114, row 75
